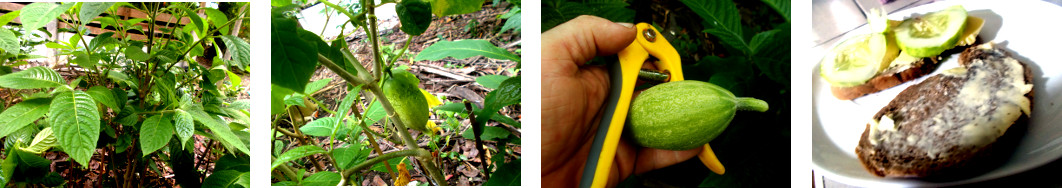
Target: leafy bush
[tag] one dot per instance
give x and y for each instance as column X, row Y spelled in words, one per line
column 131, row 101
column 388, row 95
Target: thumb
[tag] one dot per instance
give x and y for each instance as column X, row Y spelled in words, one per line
column 585, row 37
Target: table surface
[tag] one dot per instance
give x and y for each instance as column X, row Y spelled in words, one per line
column 834, row 18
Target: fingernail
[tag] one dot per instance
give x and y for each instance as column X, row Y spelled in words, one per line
column 629, row 25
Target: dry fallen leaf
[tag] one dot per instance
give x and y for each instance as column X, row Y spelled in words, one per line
column 403, row 175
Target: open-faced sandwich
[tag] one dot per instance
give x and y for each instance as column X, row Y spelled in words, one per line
column 896, row 51
column 952, row 122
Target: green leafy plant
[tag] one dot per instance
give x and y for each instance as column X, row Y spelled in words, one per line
column 131, row 102
column 388, row 97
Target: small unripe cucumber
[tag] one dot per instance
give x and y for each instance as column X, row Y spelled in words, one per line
column 683, row 115
column 401, row 89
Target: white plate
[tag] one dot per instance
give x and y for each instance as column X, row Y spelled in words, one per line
column 1029, row 30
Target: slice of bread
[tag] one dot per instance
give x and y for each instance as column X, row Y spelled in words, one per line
column 894, row 75
column 950, row 123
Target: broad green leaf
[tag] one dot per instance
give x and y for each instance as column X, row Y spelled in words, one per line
column 19, row 115
column 345, row 156
column 196, row 21
column 32, row 78
column 506, row 94
column 513, row 22
column 450, row 7
column 232, row 162
column 508, row 174
column 760, row 40
column 36, row 15
column 415, row 16
column 216, row 16
column 224, row 178
column 244, row 104
column 102, row 39
column 462, row 49
column 293, row 60
column 90, row 10
column 183, row 125
column 276, row 99
column 325, row 178
column 505, row 120
column 489, row 133
column 164, row 86
column 217, row 127
column 452, row 107
column 56, row 45
column 44, row 140
column 120, row 98
column 8, row 17
column 28, row 161
column 319, row 127
column 240, row 50
column 344, row 107
column 295, row 100
column 155, row 132
column 374, row 113
column 135, row 52
column 76, row 120
column 316, row 85
column 723, row 21
column 118, row 76
column 491, row 81
column 103, row 95
column 129, row 116
column 280, row 3
column 85, row 60
column 380, row 167
column 234, row 80
column 782, row 6
column 7, row 168
column 296, row 153
column 8, row 41
column 285, row 183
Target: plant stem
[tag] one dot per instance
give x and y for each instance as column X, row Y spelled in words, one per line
column 477, row 131
column 403, row 52
column 378, row 59
column 342, row 73
column 378, row 93
column 418, row 152
column 372, row 141
column 287, row 170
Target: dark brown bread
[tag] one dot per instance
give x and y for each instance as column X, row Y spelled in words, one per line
column 926, row 141
column 887, row 79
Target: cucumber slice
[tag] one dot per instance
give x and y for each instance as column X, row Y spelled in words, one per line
column 858, row 59
column 932, row 33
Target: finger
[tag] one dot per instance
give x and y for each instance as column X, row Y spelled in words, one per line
column 651, row 159
column 585, row 37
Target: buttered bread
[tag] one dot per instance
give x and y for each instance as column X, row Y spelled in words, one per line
column 951, row 121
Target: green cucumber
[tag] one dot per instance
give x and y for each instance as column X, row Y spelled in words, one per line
column 857, row 59
column 683, row 115
column 407, row 100
column 931, row 34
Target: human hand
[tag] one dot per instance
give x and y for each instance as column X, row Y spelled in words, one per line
column 572, row 97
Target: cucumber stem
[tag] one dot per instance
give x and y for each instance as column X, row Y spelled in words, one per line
column 653, row 75
column 751, row 104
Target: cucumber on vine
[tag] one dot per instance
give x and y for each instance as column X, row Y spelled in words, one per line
column 931, row 34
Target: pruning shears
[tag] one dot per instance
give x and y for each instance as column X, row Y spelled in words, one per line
column 623, row 76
